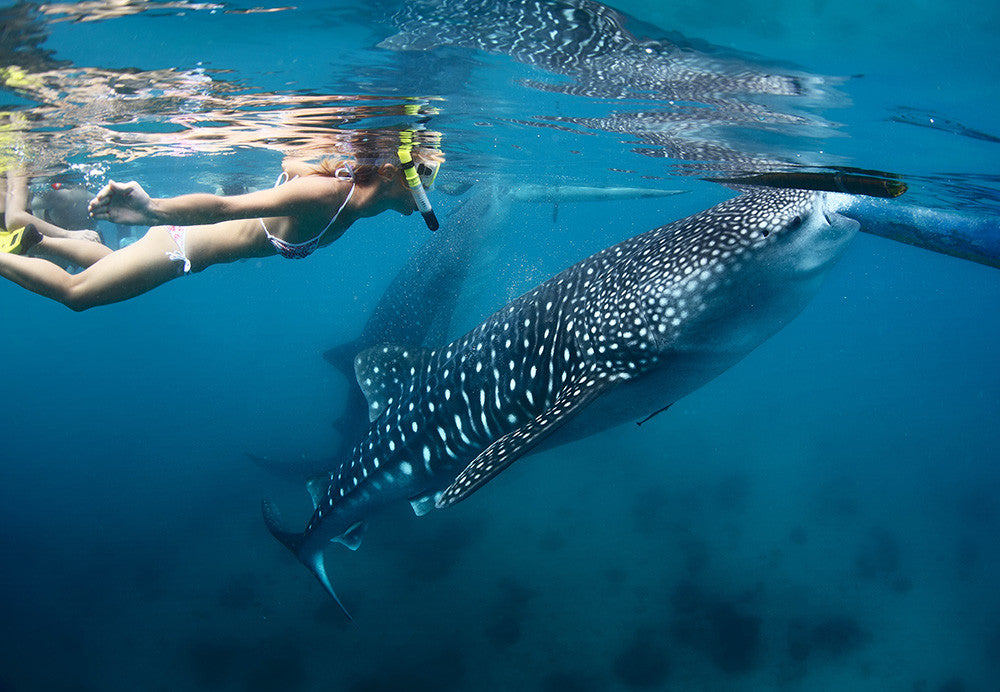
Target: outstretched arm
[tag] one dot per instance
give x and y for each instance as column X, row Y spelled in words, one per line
column 128, row 203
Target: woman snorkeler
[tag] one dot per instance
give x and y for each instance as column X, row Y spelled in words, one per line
column 311, row 205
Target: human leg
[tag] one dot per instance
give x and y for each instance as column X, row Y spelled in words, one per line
column 15, row 209
column 117, row 276
column 17, row 212
column 76, row 251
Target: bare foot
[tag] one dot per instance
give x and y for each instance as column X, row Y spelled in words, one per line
column 29, row 239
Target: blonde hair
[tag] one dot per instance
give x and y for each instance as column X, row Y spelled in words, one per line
column 366, row 151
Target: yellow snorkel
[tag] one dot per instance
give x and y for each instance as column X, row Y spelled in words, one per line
column 413, row 180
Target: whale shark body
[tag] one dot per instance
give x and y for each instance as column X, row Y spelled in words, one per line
column 592, row 45
column 620, row 335
column 712, row 108
column 415, row 310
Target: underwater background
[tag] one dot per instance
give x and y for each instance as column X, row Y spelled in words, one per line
column 823, row 516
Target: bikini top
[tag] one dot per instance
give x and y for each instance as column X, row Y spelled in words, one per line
column 302, row 250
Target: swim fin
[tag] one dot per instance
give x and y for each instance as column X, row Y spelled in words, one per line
column 12, row 241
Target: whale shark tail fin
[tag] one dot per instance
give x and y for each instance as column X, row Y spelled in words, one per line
column 313, row 559
column 309, row 555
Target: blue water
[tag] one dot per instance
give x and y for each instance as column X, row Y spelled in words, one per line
column 823, row 516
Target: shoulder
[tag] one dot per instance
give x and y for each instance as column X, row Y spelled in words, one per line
column 302, row 187
column 315, row 182
column 313, row 188
column 303, row 196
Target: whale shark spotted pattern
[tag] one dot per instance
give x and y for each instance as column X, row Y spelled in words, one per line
column 417, row 306
column 707, row 107
column 613, row 338
column 591, row 44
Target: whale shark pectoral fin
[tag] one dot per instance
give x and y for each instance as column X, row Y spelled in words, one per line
column 504, row 451
column 384, row 371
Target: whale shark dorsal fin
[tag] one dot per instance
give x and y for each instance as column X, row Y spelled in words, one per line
column 575, row 396
column 384, row 371
column 342, row 356
column 317, row 487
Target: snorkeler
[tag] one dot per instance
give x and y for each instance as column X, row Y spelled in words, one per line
column 310, row 206
column 63, row 202
column 18, row 214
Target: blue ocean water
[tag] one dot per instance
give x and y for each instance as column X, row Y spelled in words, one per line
column 822, row 516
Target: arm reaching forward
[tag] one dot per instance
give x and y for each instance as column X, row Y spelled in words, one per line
column 125, row 203
column 128, row 203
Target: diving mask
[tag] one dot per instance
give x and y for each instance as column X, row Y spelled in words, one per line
column 427, row 172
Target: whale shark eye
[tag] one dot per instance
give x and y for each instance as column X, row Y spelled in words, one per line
column 794, row 223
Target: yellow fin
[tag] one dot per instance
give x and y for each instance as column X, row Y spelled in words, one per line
column 10, row 241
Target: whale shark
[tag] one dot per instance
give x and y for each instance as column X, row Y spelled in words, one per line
column 593, row 46
column 416, row 307
column 616, row 337
column 717, row 108
column 724, row 138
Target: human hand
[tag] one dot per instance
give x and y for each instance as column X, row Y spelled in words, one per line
column 125, row 203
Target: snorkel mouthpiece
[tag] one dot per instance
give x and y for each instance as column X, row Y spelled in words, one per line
column 413, row 181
